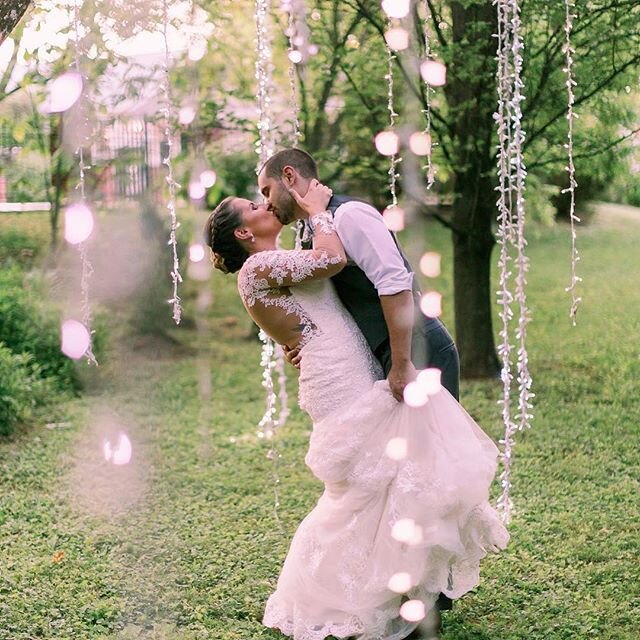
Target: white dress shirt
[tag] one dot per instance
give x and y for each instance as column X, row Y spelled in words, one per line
column 368, row 243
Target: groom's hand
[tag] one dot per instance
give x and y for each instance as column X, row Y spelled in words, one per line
column 293, row 356
column 400, row 375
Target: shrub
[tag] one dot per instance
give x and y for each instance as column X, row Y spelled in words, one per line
column 26, row 329
column 17, row 247
column 22, row 388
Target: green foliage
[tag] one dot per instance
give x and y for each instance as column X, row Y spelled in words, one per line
column 22, row 388
column 27, row 329
column 18, row 247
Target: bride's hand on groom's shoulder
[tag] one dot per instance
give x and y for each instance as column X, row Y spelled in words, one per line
column 315, row 200
column 293, row 356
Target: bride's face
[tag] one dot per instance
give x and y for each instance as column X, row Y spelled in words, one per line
column 258, row 218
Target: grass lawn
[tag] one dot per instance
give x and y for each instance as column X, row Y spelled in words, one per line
column 182, row 543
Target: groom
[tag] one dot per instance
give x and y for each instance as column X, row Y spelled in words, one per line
column 377, row 286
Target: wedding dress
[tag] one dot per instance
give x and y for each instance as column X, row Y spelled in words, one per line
column 335, row 579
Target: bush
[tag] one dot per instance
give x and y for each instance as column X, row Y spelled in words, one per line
column 26, row 329
column 22, row 388
column 17, row 247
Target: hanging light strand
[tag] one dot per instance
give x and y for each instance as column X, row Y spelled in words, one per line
column 173, row 186
column 504, row 235
column 428, row 131
column 394, row 159
column 272, row 357
column 86, row 266
column 293, row 97
column 511, row 234
column 569, row 51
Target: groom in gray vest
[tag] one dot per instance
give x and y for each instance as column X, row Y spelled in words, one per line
column 377, row 286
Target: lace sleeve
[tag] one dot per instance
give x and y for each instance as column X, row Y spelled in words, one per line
column 272, row 269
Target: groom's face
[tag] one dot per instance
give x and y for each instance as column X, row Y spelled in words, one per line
column 278, row 198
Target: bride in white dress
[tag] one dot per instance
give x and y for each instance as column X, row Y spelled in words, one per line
column 396, row 523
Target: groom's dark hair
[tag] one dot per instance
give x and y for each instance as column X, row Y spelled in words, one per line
column 300, row 160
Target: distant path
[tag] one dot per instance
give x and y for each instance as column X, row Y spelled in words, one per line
column 606, row 212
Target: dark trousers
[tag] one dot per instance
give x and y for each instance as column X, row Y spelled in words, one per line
column 432, row 346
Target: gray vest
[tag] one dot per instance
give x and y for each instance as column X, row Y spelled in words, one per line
column 360, row 297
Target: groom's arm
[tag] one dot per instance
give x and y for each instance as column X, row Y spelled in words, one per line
column 369, row 244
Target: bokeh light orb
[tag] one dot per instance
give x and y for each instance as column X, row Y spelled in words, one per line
column 399, row 582
column 75, row 339
column 78, row 223
column 295, row 56
column 396, row 8
column 420, row 143
column 404, row 530
column 387, row 143
column 413, row 611
column 430, row 380
column 208, row 178
column 186, row 115
column 64, row 92
column 414, row 395
column 394, row 218
column 119, row 453
column 196, row 252
column 433, row 73
column 431, row 304
column 196, row 190
column 397, row 448
column 197, row 49
column 430, row 264
column 397, row 39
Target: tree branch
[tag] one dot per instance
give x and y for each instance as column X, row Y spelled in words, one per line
column 586, row 154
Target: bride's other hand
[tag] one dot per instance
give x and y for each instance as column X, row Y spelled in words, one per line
column 316, row 199
column 293, row 356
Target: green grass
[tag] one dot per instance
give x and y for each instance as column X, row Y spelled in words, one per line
column 182, row 543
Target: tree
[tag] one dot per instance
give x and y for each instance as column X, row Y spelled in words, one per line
column 607, row 40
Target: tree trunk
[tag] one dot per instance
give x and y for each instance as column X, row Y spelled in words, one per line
column 472, row 100
column 473, row 305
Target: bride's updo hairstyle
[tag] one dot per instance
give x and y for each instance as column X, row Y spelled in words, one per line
column 228, row 254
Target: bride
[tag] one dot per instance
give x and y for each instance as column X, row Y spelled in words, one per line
column 404, row 515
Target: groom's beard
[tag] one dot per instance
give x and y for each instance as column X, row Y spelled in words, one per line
column 286, row 210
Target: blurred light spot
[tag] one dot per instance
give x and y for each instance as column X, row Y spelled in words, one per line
column 431, row 304
column 399, row 582
column 433, row 73
column 78, row 223
column 75, row 339
column 313, row 49
column 196, row 190
column 64, row 92
column 197, row 49
column 119, row 454
column 295, row 57
column 394, row 218
column 396, row 8
column 397, row 448
column 430, row 264
column 430, row 380
column 387, row 143
column 196, row 252
column 412, row 611
column 397, row 38
column 403, row 530
column 208, row 178
column 420, row 143
column 414, row 395
column 352, row 42
column 186, row 115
